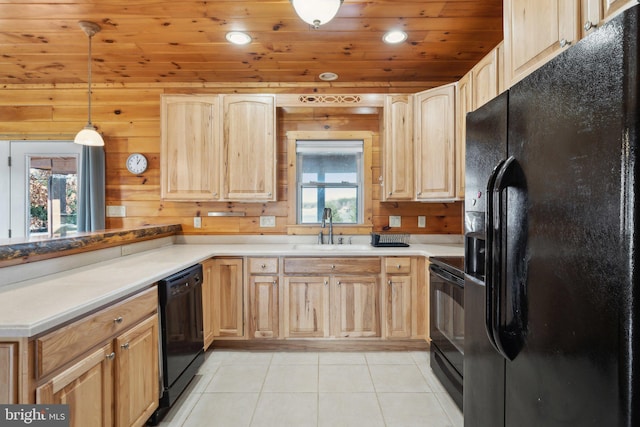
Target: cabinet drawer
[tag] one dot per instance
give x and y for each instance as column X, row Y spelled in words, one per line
column 397, row 265
column 331, row 265
column 263, row 265
column 64, row 344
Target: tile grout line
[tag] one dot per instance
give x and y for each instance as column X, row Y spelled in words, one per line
column 375, row 390
column 264, row 380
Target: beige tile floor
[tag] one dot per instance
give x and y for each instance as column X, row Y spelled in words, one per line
column 297, row 389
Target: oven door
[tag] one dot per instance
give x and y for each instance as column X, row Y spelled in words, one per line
column 447, row 315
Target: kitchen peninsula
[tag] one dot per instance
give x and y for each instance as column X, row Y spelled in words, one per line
column 38, row 299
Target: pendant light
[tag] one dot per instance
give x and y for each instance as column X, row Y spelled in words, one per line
column 88, row 135
column 316, row 12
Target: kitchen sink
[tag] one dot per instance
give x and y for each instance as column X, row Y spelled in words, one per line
column 329, row 248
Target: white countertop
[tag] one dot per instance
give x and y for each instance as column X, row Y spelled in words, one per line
column 33, row 306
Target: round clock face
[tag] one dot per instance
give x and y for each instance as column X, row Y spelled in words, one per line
column 136, row 163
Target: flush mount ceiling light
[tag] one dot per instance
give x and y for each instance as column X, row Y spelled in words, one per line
column 238, row 37
column 316, row 12
column 88, row 135
column 394, row 37
column 328, row 77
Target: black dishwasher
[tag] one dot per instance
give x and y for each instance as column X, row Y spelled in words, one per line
column 181, row 334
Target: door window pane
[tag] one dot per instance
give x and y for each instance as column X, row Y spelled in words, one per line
column 53, row 195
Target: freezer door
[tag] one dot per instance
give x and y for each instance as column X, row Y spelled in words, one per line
column 568, row 263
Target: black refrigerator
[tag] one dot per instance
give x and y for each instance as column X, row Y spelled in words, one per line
column 552, row 331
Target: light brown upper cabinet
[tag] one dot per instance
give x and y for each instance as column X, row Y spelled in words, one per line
column 595, row 12
column 189, row 152
column 486, row 74
column 249, row 147
column 397, row 150
column 535, row 31
column 218, row 147
column 434, row 140
column 464, row 104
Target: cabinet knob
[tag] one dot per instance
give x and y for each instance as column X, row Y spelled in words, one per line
column 118, row 320
column 389, row 282
column 589, row 25
column 269, row 194
column 215, row 194
column 418, row 193
column 111, row 356
column 275, row 282
column 564, row 43
column 333, row 267
column 390, row 193
column 339, row 283
column 398, row 266
column 263, row 266
column 326, row 283
column 125, row 346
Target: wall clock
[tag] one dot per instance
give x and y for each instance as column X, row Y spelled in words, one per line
column 136, row 163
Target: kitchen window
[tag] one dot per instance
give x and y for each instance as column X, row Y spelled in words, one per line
column 329, row 175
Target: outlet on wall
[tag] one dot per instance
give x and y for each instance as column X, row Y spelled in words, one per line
column 422, row 221
column 395, row 221
column 197, row 222
column 116, row 211
column 267, row 221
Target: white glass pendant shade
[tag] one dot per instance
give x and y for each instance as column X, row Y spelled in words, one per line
column 89, row 136
column 316, row 12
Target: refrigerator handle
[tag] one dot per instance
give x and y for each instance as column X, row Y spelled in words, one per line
column 489, row 257
column 506, row 177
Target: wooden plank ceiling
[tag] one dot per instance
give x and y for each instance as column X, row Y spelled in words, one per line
column 155, row 41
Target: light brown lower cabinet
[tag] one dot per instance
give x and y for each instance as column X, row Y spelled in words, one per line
column 355, row 309
column 306, row 306
column 207, row 302
column 9, row 369
column 105, row 366
column 398, row 295
column 227, row 298
column 263, row 300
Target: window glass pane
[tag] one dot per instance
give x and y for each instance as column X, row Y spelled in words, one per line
column 53, row 195
column 329, row 168
column 342, row 201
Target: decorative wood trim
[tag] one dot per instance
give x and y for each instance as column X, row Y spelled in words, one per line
column 367, row 138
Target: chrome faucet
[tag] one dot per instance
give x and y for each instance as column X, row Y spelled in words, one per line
column 327, row 215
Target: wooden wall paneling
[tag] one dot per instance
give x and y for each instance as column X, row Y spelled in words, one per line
column 129, row 118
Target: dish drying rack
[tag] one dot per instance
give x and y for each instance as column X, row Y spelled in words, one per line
column 394, row 240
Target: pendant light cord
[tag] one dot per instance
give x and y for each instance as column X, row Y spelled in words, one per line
column 89, row 91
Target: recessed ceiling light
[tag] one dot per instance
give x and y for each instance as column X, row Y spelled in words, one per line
column 237, row 37
column 328, row 77
column 394, row 37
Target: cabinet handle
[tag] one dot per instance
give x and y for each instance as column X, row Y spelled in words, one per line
column 326, row 283
column 564, row 42
column 125, row 346
column 111, row 356
column 118, row 320
column 589, row 25
column 390, row 193
column 389, row 282
column 339, row 283
column 263, row 266
column 398, row 266
column 275, row 282
column 333, row 267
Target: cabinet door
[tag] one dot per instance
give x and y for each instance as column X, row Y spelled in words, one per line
column 306, row 307
column 226, row 298
column 207, row 302
column 485, row 79
column 434, row 143
column 355, row 308
column 464, row 104
column 398, row 296
column 137, row 388
column 249, row 147
column 398, row 148
column 189, row 152
column 596, row 12
column 263, row 314
column 9, row 372
column 535, row 31
column 87, row 387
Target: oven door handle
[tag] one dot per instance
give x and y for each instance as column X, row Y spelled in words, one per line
column 446, row 276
